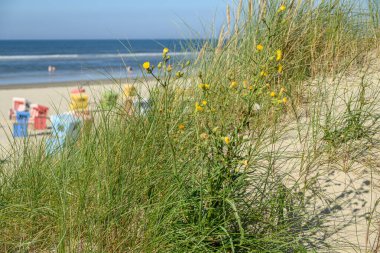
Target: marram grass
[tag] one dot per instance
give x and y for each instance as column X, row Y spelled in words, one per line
column 198, row 172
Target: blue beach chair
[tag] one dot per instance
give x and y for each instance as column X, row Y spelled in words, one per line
column 66, row 128
column 22, row 117
column 20, row 128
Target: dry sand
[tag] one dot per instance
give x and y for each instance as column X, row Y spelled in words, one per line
column 350, row 174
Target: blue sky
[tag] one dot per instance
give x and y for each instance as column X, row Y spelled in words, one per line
column 104, row 19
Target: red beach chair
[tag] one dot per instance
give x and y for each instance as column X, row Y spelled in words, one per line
column 20, row 104
column 39, row 115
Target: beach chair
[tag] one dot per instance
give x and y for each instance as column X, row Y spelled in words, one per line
column 22, row 117
column 79, row 102
column 66, row 129
column 130, row 90
column 78, row 90
column 65, row 125
column 20, row 127
column 129, row 93
column 38, row 116
column 20, row 130
column 109, row 100
column 18, row 104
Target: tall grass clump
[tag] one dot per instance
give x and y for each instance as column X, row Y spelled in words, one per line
column 200, row 171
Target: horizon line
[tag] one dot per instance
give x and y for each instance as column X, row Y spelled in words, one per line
column 115, row 39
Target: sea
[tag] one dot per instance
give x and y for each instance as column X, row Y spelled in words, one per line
column 24, row 62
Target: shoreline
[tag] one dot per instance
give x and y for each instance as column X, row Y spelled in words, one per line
column 71, row 83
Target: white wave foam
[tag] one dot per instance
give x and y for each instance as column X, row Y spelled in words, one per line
column 36, row 57
column 84, row 56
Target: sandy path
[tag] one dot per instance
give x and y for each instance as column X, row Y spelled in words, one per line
column 349, row 175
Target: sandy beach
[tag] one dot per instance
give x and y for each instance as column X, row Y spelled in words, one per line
column 56, row 96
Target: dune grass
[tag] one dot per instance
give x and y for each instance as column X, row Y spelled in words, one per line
column 205, row 169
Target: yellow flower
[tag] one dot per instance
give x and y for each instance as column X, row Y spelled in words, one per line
column 250, row 87
column 282, row 8
column 181, row 127
column 227, row 140
column 204, row 86
column 146, row 65
column 273, row 94
column 278, row 55
column 165, row 51
column 285, row 100
column 179, row 74
column 263, row 73
column 245, row 162
column 259, row 47
column 198, row 108
column 169, row 69
column 233, row 85
column 280, row 69
column 204, row 102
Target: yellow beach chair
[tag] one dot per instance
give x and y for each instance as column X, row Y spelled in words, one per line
column 130, row 90
column 79, row 101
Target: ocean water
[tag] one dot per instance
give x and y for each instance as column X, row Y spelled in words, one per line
column 27, row 61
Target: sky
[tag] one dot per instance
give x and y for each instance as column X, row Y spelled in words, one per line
column 109, row 19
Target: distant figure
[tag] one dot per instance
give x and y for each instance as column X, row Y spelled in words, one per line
column 51, row 68
column 129, row 69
